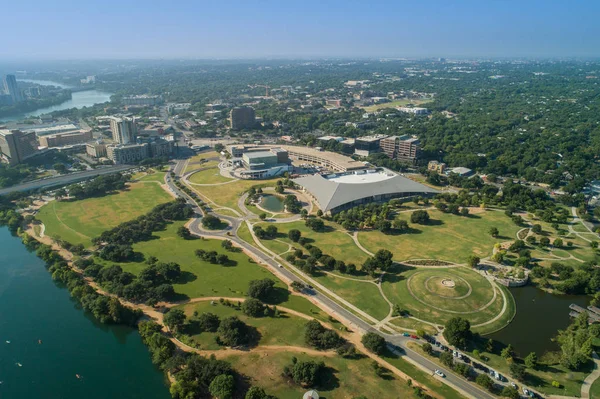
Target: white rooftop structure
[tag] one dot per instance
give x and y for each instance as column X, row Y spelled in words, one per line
column 341, row 191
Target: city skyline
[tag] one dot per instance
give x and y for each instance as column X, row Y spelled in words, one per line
column 310, row 30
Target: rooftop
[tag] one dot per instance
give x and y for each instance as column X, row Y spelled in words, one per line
column 336, row 191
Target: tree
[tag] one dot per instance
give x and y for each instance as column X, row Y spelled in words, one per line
column 517, row 371
column 531, row 361
column 400, row 225
column 208, row 322
column 307, row 373
column 427, row 348
column 489, row 346
column 271, row 231
column 457, row 332
column 261, row 289
column 279, row 189
column 576, row 343
column 174, row 319
column 374, row 342
column 257, row 393
column 184, row 232
column 253, row 307
column 507, row 352
column 494, row 232
column 60, row 193
column 294, row 235
column 537, row 229
column 233, row 332
column 316, row 335
column 315, row 224
column 558, row 242
column 447, row 359
column 211, row 222
column 59, row 167
column 222, row 387
column 544, row 241
column 420, row 217
column 262, row 216
column 473, row 261
column 319, row 213
column 485, row 381
column 510, row 392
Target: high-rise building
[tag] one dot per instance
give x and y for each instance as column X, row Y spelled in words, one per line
column 11, row 88
column 16, row 146
column 242, row 118
column 402, row 148
column 124, row 130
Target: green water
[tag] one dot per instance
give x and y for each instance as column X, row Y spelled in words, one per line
column 112, row 361
column 272, row 203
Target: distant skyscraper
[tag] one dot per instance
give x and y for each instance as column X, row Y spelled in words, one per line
column 124, row 130
column 242, row 118
column 11, row 88
column 16, row 146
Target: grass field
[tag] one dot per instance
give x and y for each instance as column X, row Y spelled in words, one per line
column 396, row 103
column 411, row 324
column 152, row 176
column 346, row 378
column 208, row 176
column 364, row 296
column 447, row 237
column 202, row 278
column 333, row 242
column 201, row 161
column 227, row 195
column 437, row 304
column 79, row 221
column 244, row 233
column 284, row 330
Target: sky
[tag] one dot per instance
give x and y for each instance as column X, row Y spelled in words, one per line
column 66, row 29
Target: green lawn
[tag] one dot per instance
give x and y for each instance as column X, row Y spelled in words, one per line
column 394, row 104
column 208, row 176
column 79, row 221
column 203, row 278
column 227, row 195
column 244, row 233
column 202, row 160
column 333, row 241
column 595, row 390
column 153, row 176
column 406, row 323
column 438, row 305
column 285, row 330
column 346, row 378
column 447, row 237
column 364, row 296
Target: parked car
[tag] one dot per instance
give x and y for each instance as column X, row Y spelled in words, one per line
column 438, row 372
column 466, row 359
column 406, row 334
column 414, row 336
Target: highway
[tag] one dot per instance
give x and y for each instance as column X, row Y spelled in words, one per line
column 65, row 179
column 397, row 342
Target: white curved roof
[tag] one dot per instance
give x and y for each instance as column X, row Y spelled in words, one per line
column 331, row 193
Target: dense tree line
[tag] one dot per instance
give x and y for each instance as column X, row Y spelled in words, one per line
column 116, row 243
column 99, row 186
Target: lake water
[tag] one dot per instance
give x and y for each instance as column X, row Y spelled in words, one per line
column 272, row 203
column 78, row 100
column 112, row 360
column 539, row 317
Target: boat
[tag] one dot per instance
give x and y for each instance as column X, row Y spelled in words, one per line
column 19, row 364
column 8, row 342
column 78, row 376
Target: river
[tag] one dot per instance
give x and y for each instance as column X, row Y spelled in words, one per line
column 112, row 360
column 78, row 100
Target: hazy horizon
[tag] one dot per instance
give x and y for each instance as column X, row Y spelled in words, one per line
column 133, row 29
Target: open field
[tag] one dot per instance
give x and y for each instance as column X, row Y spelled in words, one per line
column 395, row 103
column 227, row 195
column 208, row 176
column 447, row 237
column 202, row 278
column 332, row 242
column 412, row 324
column 421, row 292
column 244, row 233
column 79, row 221
column 201, row 161
column 364, row 296
column 151, row 176
column 347, row 378
column 284, row 330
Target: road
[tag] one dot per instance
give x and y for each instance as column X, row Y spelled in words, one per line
column 398, row 342
column 65, row 179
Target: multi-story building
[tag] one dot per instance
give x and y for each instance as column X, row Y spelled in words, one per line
column 402, row 148
column 128, row 153
column 161, row 148
column 16, row 146
column 124, row 130
column 62, row 139
column 142, row 100
column 96, row 150
column 413, row 110
column 242, row 118
column 439, row 167
column 365, row 146
column 11, row 88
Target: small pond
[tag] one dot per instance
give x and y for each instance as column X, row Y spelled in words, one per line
column 272, row 203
